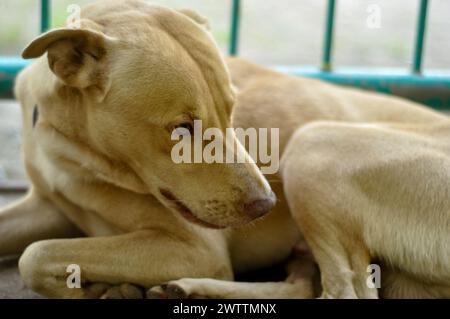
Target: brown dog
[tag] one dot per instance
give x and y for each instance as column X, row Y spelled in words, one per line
column 108, row 96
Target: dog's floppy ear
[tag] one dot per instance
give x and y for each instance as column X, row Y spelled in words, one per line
column 196, row 17
column 76, row 56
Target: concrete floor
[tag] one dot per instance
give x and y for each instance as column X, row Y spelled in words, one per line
column 11, row 286
column 11, row 166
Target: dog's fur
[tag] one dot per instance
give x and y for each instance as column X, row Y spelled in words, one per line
column 370, row 182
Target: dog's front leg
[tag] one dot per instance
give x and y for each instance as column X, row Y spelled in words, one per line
column 31, row 219
column 145, row 258
column 220, row 289
column 300, row 284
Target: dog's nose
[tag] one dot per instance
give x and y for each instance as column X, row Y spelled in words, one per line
column 259, row 207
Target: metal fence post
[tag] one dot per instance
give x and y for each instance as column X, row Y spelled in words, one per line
column 420, row 36
column 234, row 32
column 328, row 37
column 45, row 15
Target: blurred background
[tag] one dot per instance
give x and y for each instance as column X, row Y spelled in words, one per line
column 272, row 32
column 283, row 32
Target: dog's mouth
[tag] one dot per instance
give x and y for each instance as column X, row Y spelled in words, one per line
column 185, row 211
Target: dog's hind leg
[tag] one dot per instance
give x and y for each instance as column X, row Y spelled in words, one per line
column 320, row 200
column 398, row 285
column 31, row 219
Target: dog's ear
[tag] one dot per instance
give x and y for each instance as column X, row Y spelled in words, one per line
column 76, row 56
column 197, row 18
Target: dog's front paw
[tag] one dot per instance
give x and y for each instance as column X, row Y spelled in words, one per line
column 123, row 291
column 168, row 291
column 179, row 289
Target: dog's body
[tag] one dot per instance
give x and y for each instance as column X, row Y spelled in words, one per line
column 347, row 186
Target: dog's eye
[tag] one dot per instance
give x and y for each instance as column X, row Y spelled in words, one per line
column 185, row 126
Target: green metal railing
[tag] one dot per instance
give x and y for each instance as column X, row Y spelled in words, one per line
column 234, row 32
column 422, row 22
column 430, row 89
column 328, row 38
column 45, row 15
column 329, row 30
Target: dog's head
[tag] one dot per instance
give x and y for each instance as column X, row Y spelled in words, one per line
column 122, row 82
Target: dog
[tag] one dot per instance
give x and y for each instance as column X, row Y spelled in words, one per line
column 363, row 177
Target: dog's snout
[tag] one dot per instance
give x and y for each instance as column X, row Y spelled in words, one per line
column 259, row 207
